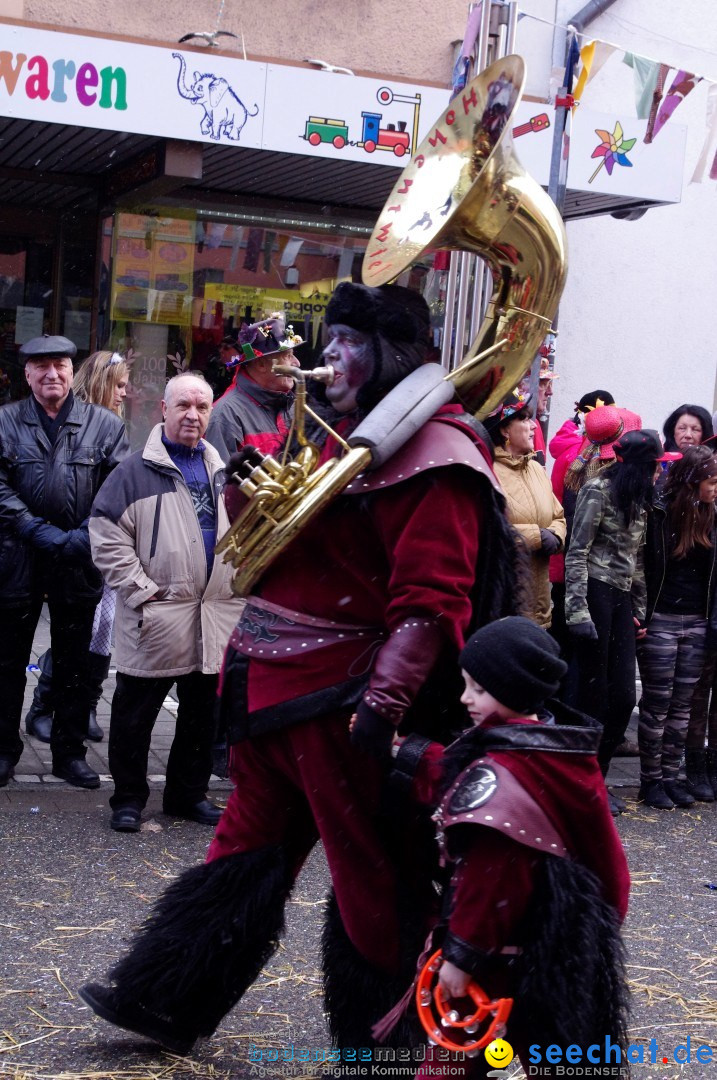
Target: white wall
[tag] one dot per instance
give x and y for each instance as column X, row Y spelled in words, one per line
column 638, row 313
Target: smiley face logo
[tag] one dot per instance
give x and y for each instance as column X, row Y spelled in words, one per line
column 499, row 1053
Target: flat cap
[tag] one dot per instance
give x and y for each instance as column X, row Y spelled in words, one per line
column 48, row 346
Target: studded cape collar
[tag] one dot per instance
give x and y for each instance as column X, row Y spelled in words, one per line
column 553, row 738
column 572, row 733
column 487, row 794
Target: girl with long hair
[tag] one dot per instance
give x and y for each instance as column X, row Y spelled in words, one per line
column 680, row 563
column 605, row 602
column 101, row 379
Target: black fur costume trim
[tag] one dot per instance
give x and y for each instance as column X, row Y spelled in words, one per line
column 571, row 979
column 206, row 940
column 399, row 314
column 357, row 994
column 502, row 585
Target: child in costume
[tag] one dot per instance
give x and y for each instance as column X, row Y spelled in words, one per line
column 538, row 878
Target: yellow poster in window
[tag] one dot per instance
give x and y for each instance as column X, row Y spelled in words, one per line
column 152, row 269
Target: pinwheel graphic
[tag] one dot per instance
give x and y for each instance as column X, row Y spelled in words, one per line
column 613, row 148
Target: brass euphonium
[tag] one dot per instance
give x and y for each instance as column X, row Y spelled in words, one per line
column 284, row 495
column 463, row 190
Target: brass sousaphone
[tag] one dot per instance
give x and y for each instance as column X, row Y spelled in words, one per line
column 463, row 190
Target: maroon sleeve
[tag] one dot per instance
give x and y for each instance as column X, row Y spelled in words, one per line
column 429, row 774
column 418, row 769
column 430, row 527
column 492, row 887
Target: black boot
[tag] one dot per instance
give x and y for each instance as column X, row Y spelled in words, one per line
column 653, row 794
column 204, row 943
column 98, row 669
column 357, row 994
column 677, row 791
column 696, row 774
column 38, row 720
column 711, row 769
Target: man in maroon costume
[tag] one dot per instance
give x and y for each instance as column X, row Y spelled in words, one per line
column 363, row 612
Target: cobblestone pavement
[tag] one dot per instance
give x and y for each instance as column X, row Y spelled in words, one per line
column 72, row 892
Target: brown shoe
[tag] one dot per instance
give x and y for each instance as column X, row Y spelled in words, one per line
column 627, row 748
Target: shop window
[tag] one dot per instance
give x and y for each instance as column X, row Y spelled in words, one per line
column 25, row 305
column 177, row 284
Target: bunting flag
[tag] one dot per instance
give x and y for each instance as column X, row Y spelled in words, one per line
column 573, row 60
column 214, row 234
column 646, row 73
column 656, row 99
column 682, row 84
column 346, row 261
column 592, row 58
column 467, row 54
column 269, row 238
column 587, row 55
column 710, row 144
column 290, row 253
column 238, row 233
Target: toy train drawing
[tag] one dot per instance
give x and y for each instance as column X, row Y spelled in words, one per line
column 394, row 137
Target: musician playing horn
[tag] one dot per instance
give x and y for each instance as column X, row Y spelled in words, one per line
column 365, row 611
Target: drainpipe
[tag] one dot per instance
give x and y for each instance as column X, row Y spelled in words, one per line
column 591, row 11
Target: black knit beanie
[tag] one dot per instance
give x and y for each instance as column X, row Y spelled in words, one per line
column 516, row 661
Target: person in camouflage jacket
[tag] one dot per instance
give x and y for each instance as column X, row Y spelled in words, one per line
column 602, row 547
column 605, row 595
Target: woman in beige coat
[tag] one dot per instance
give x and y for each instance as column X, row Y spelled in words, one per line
column 532, row 507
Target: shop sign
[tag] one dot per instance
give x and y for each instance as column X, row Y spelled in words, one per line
column 59, row 77
column 296, row 305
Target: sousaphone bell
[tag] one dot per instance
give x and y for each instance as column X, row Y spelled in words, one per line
column 464, row 190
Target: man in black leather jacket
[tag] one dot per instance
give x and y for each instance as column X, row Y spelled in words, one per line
column 55, row 452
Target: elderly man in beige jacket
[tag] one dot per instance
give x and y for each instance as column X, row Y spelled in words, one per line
column 153, row 533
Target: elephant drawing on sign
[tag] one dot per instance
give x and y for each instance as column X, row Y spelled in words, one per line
column 224, row 113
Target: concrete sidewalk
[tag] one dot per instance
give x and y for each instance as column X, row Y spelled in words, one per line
column 35, row 766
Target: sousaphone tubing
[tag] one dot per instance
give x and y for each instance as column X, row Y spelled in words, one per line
column 464, row 190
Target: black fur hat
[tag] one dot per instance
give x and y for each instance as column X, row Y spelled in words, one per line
column 399, row 314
